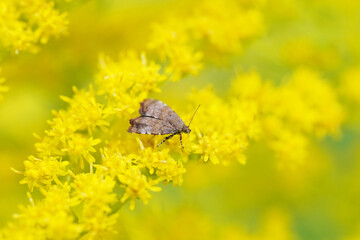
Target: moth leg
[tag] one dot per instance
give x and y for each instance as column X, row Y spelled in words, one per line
column 181, row 140
column 167, row 138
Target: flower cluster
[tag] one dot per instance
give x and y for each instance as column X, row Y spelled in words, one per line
column 219, row 27
column 126, row 82
column 222, row 128
column 25, row 24
column 87, row 166
column 285, row 116
column 291, row 114
column 85, row 151
column 91, row 125
column 95, row 192
column 51, row 218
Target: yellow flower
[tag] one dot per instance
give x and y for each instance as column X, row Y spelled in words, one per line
column 162, row 164
column 225, row 24
column 64, row 137
column 127, row 169
column 62, row 126
column 222, row 25
column 172, row 43
column 66, row 142
column 182, row 61
column 96, row 192
column 49, row 219
column 285, row 116
column 127, row 81
column 166, row 35
column 290, row 149
column 95, row 189
column 40, row 172
column 87, row 165
column 222, row 129
column 80, row 146
column 311, row 104
column 47, row 146
column 250, row 87
column 113, row 162
column 25, row 24
column 207, row 147
column 130, row 171
column 85, row 111
column 136, row 186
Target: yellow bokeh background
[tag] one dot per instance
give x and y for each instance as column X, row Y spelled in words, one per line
column 316, row 199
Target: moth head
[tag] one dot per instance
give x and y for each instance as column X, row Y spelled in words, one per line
column 186, row 129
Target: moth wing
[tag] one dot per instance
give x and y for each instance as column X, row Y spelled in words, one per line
column 157, row 109
column 149, row 125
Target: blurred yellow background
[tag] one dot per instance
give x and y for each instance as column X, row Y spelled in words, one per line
column 318, row 199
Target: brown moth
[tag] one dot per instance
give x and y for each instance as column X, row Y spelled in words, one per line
column 158, row 119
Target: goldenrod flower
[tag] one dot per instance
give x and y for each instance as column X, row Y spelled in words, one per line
column 223, row 129
column 220, row 25
column 303, row 105
column 126, row 82
column 41, row 172
column 87, row 166
column 96, row 193
column 25, row 24
column 162, row 164
column 80, row 146
column 126, row 170
column 85, row 111
column 312, row 105
column 225, row 24
column 51, row 218
column 171, row 41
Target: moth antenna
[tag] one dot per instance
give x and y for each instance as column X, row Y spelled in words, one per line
column 193, row 115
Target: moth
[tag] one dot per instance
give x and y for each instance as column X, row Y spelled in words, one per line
column 159, row 119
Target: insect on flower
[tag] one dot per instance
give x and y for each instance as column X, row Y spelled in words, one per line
column 158, row 119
